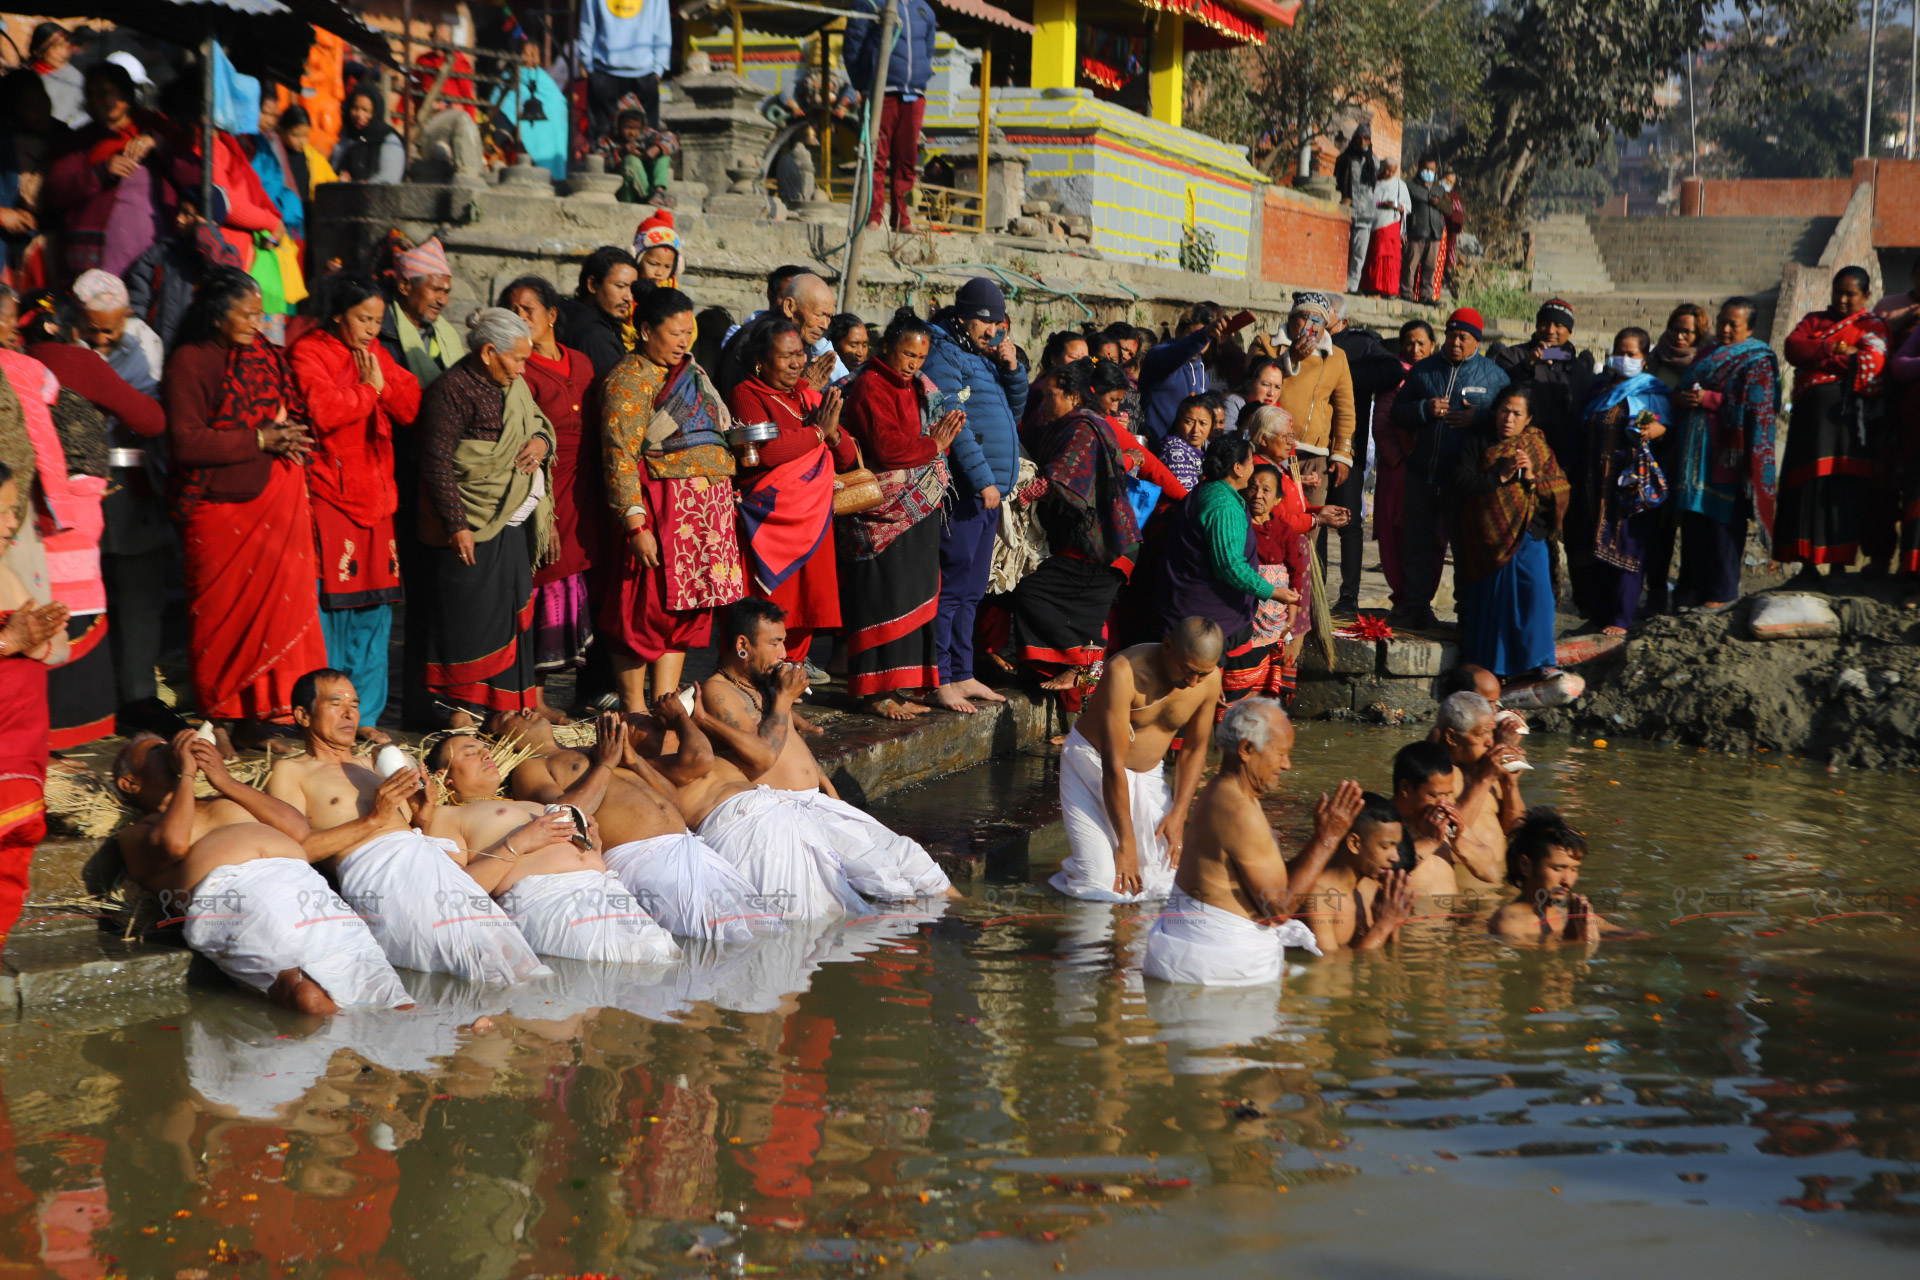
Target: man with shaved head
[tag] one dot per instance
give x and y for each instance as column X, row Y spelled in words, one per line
column 1123, row 825
column 1230, row 913
column 808, row 301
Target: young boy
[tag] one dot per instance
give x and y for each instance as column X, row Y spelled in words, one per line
column 643, row 156
column 1360, row 901
column 1181, row 450
column 1543, row 862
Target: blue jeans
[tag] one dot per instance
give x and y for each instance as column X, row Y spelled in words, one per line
column 966, row 556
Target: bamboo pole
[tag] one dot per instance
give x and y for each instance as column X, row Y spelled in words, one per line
column 876, row 102
column 986, row 79
column 739, row 44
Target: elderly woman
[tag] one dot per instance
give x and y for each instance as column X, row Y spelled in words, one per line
column 1839, row 358
column 1274, row 436
column 890, row 555
column 1512, row 500
column 786, row 500
column 355, row 394
column 236, row 437
column 561, row 380
column 1093, row 534
column 669, row 482
column 486, row 476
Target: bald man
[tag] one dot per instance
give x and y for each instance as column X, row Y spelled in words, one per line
column 1123, row 826
column 1230, row 914
column 808, row 301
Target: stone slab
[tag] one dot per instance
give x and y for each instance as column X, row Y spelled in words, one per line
column 1393, row 699
column 85, row 965
column 1417, row 656
column 1350, row 658
column 868, row 758
column 1319, row 699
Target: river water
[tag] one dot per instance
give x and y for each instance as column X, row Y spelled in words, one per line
column 998, row 1093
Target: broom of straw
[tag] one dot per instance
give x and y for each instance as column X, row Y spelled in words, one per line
column 1322, row 611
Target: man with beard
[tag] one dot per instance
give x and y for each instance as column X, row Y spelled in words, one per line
column 749, row 713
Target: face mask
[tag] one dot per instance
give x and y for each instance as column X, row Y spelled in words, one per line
column 1446, row 186
column 1626, row 366
column 1426, row 175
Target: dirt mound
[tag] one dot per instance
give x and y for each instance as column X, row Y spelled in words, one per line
column 1853, row 700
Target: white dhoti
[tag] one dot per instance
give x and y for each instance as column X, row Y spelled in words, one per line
column 1088, row 871
column 690, row 890
column 428, row 914
column 586, row 915
column 795, row 873
column 258, row 919
column 1194, row 942
column 882, row 865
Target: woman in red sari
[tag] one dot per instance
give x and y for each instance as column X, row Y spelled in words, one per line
column 786, row 503
column 236, row 442
column 355, row 393
column 561, row 380
column 1826, row 479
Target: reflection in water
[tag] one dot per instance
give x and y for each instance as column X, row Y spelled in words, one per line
column 879, row 1087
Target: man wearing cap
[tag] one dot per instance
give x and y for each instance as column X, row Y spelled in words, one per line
column 1318, row 391
column 1445, row 399
column 1561, row 375
column 974, row 363
column 52, row 49
column 414, row 332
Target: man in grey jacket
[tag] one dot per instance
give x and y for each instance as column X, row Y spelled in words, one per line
column 1426, row 231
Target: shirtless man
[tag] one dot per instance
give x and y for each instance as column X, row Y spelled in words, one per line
column 1360, row 901
column 1543, row 863
column 1508, row 726
column 749, row 715
column 1124, row 829
column 537, row 863
column 688, row 888
column 1490, row 803
column 233, row 866
column 1426, row 794
column 425, row 912
column 1233, row 888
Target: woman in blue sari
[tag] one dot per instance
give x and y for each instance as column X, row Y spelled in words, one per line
column 1609, row 524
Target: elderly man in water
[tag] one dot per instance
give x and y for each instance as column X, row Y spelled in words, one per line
column 1123, row 825
column 235, row 868
column 1490, row 805
column 1229, row 918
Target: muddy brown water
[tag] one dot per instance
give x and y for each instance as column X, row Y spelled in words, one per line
column 998, row 1093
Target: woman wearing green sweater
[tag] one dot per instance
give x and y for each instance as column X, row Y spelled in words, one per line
column 1210, row 567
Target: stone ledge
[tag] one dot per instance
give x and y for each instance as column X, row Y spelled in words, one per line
column 868, row 759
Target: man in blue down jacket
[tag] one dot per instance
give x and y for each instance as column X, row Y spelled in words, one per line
column 896, row 137
column 1446, row 399
column 977, row 369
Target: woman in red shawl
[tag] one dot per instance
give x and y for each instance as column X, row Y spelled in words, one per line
column 355, row 394
column 240, row 501
column 786, row 504
column 561, row 380
column 1826, row 479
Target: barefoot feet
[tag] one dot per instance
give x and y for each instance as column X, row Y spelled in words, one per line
column 953, row 697
column 293, row 989
column 895, row 708
column 971, row 688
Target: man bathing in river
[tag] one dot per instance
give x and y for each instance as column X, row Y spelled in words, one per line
column 425, row 912
column 1123, row 827
column 1543, row 863
column 1228, row 919
column 1360, row 901
column 537, row 862
column 1426, row 795
column 234, row 867
column 688, row 888
column 749, row 708
column 1490, row 804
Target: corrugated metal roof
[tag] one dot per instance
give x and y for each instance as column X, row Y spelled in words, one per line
column 993, row 13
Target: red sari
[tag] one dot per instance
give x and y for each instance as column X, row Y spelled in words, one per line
column 786, row 510
column 23, row 776
column 1382, row 274
column 246, row 528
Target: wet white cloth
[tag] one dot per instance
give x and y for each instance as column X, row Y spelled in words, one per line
column 586, row 915
column 428, row 914
column 1088, row 870
column 795, row 873
column 240, row 1059
column 691, row 890
column 882, row 865
column 1192, row 941
column 257, row 919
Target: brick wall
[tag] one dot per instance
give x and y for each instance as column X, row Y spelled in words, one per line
column 1896, row 204
column 1303, row 242
column 1775, row 197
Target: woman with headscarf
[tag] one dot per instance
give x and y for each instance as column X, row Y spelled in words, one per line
column 1839, row 357
column 355, row 395
column 486, row 479
column 1609, row 527
column 236, row 437
column 890, row 555
column 1512, row 501
column 670, row 485
column 786, row 499
column 561, row 380
column 369, row 150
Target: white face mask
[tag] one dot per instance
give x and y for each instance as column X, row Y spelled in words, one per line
column 1426, row 175
column 1626, row 366
column 1446, row 186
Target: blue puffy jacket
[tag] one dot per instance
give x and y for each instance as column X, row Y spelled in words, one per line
column 1475, row 381
column 987, row 451
column 911, row 65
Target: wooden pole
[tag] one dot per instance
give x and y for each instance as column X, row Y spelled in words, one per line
column 986, row 80
column 826, row 111
column 739, row 44
column 876, row 102
column 207, row 127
